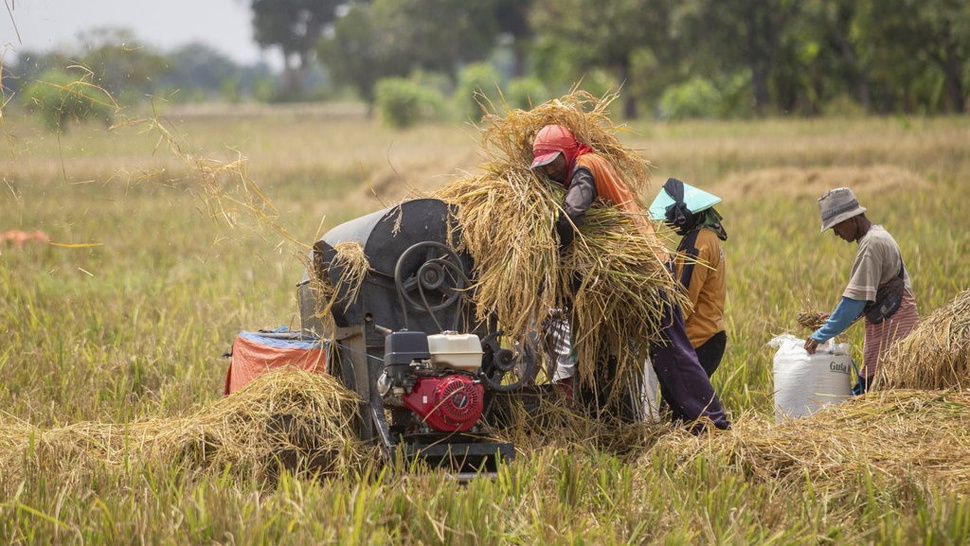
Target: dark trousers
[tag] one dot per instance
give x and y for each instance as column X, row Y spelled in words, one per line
column 684, row 385
column 601, row 400
column 710, row 352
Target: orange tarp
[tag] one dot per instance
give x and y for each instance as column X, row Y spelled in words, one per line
column 255, row 353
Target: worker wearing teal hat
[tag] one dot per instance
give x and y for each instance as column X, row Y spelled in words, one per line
column 700, row 265
column 695, row 199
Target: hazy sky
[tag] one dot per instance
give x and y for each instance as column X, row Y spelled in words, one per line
column 164, row 24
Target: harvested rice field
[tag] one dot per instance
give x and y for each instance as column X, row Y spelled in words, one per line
column 164, row 238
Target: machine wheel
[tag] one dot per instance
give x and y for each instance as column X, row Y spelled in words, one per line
column 508, row 365
column 430, row 276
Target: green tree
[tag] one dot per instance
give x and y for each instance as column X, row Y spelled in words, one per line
column 405, row 102
column 574, row 37
column 436, row 35
column 294, row 26
column 355, row 54
column 753, row 34
column 30, row 64
column 526, row 92
column 121, row 64
column 196, row 68
column 919, row 51
column 828, row 64
column 512, row 21
column 696, row 98
column 60, row 96
column 393, row 38
column 479, row 85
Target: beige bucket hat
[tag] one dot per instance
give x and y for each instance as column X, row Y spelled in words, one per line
column 837, row 206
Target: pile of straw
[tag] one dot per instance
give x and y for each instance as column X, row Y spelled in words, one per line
column 550, row 421
column 611, row 278
column 900, row 437
column 934, row 356
column 286, row 419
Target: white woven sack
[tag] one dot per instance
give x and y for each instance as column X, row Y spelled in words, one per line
column 806, row 383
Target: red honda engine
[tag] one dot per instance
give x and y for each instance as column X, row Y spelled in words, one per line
column 448, row 403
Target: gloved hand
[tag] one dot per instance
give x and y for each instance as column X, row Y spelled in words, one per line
column 565, row 231
column 861, row 386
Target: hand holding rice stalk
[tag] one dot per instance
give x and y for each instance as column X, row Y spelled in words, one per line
column 812, row 319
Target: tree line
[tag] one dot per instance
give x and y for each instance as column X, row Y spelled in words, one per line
column 671, row 58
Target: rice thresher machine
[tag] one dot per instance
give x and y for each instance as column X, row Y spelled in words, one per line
column 406, row 340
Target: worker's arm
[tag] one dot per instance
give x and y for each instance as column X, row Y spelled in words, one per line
column 844, row 315
column 579, row 197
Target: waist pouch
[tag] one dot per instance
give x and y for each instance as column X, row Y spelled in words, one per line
column 889, row 296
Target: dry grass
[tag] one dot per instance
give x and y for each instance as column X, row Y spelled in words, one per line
column 551, row 422
column 303, row 421
column 934, row 356
column 900, row 436
column 814, row 181
column 777, row 157
column 286, row 418
column 507, row 136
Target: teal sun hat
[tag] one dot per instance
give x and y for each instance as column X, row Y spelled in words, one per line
column 695, row 199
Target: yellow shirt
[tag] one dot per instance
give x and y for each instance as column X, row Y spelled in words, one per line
column 706, row 290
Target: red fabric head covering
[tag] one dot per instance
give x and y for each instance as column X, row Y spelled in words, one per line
column 553, row 140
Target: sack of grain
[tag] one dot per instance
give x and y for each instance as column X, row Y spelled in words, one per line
column 805, row 383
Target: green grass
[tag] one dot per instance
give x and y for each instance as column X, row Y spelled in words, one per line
column 135, row 327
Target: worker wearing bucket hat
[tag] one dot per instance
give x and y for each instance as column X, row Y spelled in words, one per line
column 878, row 289
column 588, row 176
column 700, row 265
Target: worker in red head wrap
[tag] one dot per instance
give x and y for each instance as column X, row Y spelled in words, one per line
column 587, row 175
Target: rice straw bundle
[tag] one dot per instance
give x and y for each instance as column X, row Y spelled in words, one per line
column 351, row 261
column 901, row 436
column 507, row 228
column 286, row 418
column 936, row 355
column 612, row 276
column 811, row 319
column 508, row 140
column 618, row 304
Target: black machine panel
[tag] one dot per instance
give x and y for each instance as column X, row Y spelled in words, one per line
column 424, row 232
